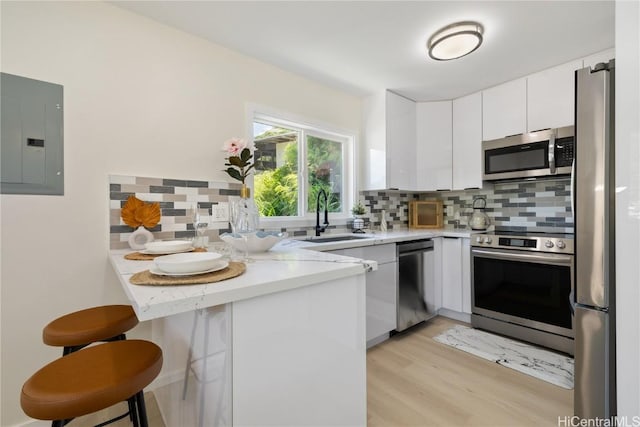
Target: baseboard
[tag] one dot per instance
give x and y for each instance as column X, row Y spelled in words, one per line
column 377, row 340
column 455, row 315
column 166, row 378
column 34, row 423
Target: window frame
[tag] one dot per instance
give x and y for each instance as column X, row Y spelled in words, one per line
column 317, row 129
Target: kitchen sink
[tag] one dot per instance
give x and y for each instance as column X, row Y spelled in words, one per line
column 334, row 239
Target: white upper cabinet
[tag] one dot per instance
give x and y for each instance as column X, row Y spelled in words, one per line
column 504, row 110
column 433, row 146
column 467, row 142
column 388, row 152
column 550, row 97
column 604, row 56
column 429, row 146
column 401, row 137
column 372, row 160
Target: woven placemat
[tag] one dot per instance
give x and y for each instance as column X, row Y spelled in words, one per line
column 147, row 278
column 139, row 256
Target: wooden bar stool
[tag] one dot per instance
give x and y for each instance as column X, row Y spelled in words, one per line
column 93, row 379
column 77, row 330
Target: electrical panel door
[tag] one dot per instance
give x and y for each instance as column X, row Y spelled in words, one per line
column 32, row 136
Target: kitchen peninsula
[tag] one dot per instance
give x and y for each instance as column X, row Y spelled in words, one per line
column 285, row 341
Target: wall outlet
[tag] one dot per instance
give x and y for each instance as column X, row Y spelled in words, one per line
column 220, row 212
column 449, row 211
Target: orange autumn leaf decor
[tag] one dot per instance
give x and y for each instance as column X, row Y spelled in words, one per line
column 136, row 213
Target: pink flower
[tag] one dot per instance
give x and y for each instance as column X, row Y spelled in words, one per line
column 239, row 161
column 234, row 146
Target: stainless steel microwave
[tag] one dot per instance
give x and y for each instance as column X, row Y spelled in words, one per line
column 547, row 152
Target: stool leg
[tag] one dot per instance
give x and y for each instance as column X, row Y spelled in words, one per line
column 133, row 411
column 142, row 409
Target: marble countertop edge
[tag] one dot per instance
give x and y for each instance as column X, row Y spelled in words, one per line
column 265, row 275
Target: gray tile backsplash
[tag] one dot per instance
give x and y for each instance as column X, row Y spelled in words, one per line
column 177, row 199
column 541, row 205
column 394, row 203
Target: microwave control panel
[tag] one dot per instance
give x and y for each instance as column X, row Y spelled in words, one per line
column 564, row 151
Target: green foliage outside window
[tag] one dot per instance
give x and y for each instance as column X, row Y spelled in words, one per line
column 276, row 190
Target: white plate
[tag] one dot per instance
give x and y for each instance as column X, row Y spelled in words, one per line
column 166, row 252
column 157, row 271
column 168, row 246
column 187, row 262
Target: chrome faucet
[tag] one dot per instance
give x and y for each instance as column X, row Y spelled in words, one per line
column 321, row 228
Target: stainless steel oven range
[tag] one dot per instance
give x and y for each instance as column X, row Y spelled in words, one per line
column 521, row 286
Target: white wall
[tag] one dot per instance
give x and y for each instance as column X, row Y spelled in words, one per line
column 140, row 99
column 628, row 206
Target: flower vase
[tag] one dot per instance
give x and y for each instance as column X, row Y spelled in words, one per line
column 140, row 237
column 244, row 213
column 244, row 218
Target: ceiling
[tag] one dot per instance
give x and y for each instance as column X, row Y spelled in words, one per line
column 366, row 46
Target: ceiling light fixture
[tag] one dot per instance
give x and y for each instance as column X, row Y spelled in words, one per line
column 455, row 40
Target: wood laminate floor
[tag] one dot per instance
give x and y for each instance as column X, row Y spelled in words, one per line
column 413, row 380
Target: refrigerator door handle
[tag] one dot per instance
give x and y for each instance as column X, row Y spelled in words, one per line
column 572, row 195
column 552, row 153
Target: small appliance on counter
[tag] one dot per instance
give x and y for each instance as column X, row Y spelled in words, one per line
column 426, row 214
column 479, row 220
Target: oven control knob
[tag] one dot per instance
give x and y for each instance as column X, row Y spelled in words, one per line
column 548, row 244
column 487, row 239
column 479, row 239
column 560, row 244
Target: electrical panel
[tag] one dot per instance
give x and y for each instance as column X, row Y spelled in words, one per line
column 32, row 136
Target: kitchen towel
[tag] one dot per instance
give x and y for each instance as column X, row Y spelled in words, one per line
column 544, row 364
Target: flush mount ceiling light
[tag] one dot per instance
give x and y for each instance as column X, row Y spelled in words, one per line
column 455, row 41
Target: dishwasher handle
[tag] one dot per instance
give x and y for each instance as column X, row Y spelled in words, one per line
column 407, row 248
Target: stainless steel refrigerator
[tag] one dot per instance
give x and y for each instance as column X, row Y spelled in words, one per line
column 594, row 193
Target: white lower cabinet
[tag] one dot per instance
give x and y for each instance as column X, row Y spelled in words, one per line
column 454, row 277
column 381, row 289
column 451, row 274
column 466, row 275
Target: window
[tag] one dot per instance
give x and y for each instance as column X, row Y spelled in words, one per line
column 294, row 162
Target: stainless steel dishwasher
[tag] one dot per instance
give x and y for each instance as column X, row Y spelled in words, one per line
column 415, row 279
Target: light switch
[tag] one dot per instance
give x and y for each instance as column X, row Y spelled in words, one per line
column 220, row 212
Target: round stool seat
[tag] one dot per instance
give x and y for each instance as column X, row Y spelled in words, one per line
column 90, row 325
column 90, row 380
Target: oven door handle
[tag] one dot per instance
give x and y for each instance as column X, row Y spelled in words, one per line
column 557, row 259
